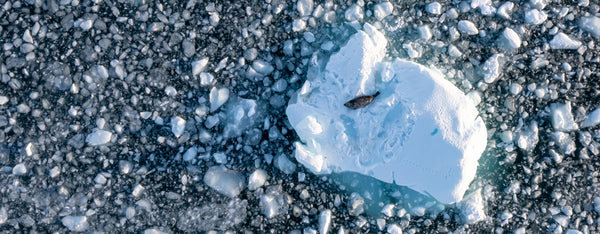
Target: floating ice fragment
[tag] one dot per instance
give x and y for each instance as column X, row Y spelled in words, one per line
column 425, row 32
column 19, row 169
column 284, row 164
column 535, row 16
column 492, row 68
column 298, row 25
column 241, row 114
column 98, row 137
column 190, row 154
column 354, row 13
column 528, row 137
column 485, row 6
column 199, row 66
column 75, row 223
column 562, row 118
column 304, row 7
column 562, row 41
column 467, row 27
column 381, row 10
column 509, row 40
column 394, row 229
column 177, row 126
column 434, row 8
column 471, row 208
column 505, row 9
column 401, row 135
column 592, row 119
column 271, row 203
column 218, row 97
column 3, row 100
column 257, row 179
column 590, row 24
column 324, row 221
column 3, row 215
column 227, row 182
column 170, row 91
column 262, row 67
column 538, row 4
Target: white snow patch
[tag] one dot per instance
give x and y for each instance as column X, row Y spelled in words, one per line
column 562, row 118
column 98, row 137
column 535, row 16
column 417, row 117
column 467, row 27
column 75, row 223
column 218, row 97
column 592, row 119
column 177, row 126
column 224, row 181
column 562, row 41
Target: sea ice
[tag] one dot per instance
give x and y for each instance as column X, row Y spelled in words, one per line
column 509, row 39
column 421, row 131
column 227, row 182
column 257, row 179
column 467, row 27
column 434, row 8
column 98, row 137
column 562, row 118
column 492, row 68
column 382, row 10
column 592, row 119
column 75, row 223
column 590, row 24
column 535, row 16
column 562, row 41
column 177, row 126
column 218, row 97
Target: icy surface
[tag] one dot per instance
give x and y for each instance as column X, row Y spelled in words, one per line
column 177, row 126
column 467, row 27
column 562, row 117
column 382, row 10
column 509, row 39
column 227, row 182
column 592, row 119
column 240, row 115
column 76, row 223
column 492, row 68
column 421, row 131
column 535, row 16
column 98, row 137
column 218, row 97
column 590, row 24
column 257, row 179
column 562, row 41
column 434, row 8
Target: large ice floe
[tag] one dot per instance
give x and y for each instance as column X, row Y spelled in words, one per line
column 420, row 131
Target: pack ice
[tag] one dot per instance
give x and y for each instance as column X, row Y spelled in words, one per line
column 420, row 131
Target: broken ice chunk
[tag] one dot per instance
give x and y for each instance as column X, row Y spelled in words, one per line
column 199, row 66
column 592, row 119
column 400, row 136
column 509, row 40
column 505, row 9
column 485, row 6
column 382, row 10
column 218, row 97
column 227, row 182
column 492, row 68
column 562, row 41
column 434, row 8
column 177, row 126
column 467, row 27
column 98, row 137
column 535, row 16
column 19, row 169
column 75, row 223
column 304, row 7
column 324, row 221
column 354, row 13
column 262, row 67
column 562, row 118
column 590, row 24
column 257, row 179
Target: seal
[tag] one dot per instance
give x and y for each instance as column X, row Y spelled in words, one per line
column 361, row 101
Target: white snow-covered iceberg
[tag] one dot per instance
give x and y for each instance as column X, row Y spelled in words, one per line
column 420, row 131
